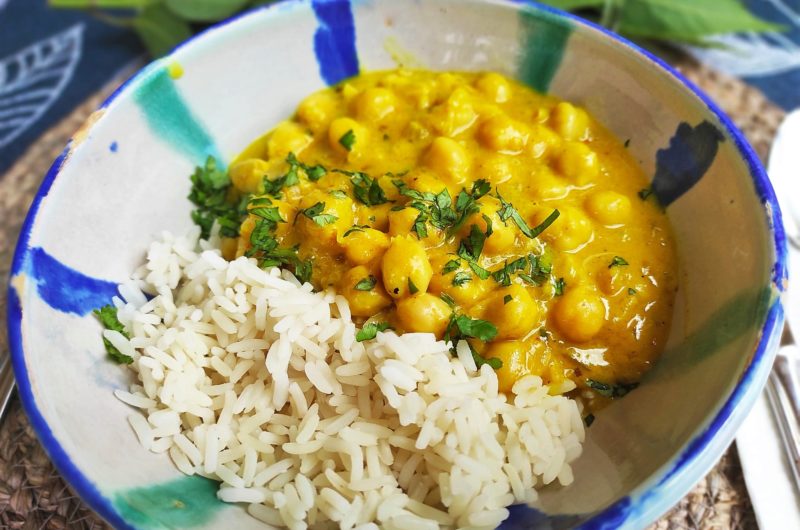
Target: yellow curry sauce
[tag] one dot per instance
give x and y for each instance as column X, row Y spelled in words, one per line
column 419, row 196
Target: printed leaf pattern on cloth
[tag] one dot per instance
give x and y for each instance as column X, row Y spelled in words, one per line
column 33, row 78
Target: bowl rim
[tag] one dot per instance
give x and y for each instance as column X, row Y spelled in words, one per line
column 660, row 490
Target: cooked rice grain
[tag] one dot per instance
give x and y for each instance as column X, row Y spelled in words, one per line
column 248, row 377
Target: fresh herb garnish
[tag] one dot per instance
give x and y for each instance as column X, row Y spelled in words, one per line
column 618, row 261
column 462, row 327
column 366, row 284
column 559, row 286
column 339, row 194
column 507, row 211
column 348, row 139
column 370, row 330
column 315, row 214
column 609, row 390
column 503, row 275
column 264, row 245
column 451, row 266
column 540, row 270
column 108, row 317
column 355, row 228
column 440, row 209
column 365, row 188
column 644, row 193
column 461, row 278
column 631, row 291
column 507, row 298
column 413, row 289
column 447, row 299
column 211, row 194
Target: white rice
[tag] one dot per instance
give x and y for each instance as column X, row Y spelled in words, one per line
column 250, row 378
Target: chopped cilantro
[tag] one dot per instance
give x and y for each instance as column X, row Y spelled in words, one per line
column 315, row 214
column 419, row 227
column 370, row 330
column 366, row 284
column 339, row 194
column 503, row 275
column 355, row 228
column 348, row 139
column 610, row 390
column 507, row 298
column 451, row 266
column 464, row 326
column 440, row 209
column 211, row 194
column 108, row 317
column 618, row 261
column 559, row 286
column 461, row 278
column 507, row 211
column 540, row 270
column 365, row 188
column 413, row 289
column 488, row 222
column 644, row 193
column 447, row 299
column 631, row 291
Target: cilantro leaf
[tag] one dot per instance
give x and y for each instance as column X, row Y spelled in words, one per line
column 370, row 330
column 507, row 298
column 474, row 328
column 644, row 193
column 211, row 195
column 366, row 284
column 447, row 299
column 559, row 286
column 413, row 289
column 451, row 266
column 108, row 318
column 507, row 211
column 631, row 291
column 315, row 214
column 503, row 275
column 461, row 278
column 618, row 261
column 348, row 140
column 611, row 390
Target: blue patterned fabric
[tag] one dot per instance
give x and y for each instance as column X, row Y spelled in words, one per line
column 769, row 61
column 51, row 61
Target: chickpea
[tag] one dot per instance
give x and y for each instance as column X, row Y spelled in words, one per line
column 543, row 141
column 455, row 115
column 424, row 180
column 247, row 175
column 571, row 122
column 363, row 302
column 494, row 86
column 469, row 293
column 578, row 162
column 403, row 264
column 571, row 230
column 401, row 221
column 377, row 216
column 341, row 127
column 285, row 138
column 424, row 313
column 608, row 207
column 317, row 110
column 514, row 355
column 498, row 168
column 326, row 234
column 579, row 314
column 503, row 236
column 500, row 133
column 375, row 104
column 449, row 159
column 365, row 245
column 514, row 317
column 550, row 187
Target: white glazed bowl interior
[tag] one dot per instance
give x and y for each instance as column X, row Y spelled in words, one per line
column 125, row 178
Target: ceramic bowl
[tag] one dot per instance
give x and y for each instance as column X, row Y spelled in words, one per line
column 123, row 179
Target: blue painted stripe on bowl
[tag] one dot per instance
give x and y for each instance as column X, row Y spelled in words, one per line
column 85, row 488
column 335, row 40
column 683, row 163
column 171, row 119
column 647, row 504
column 64, row 288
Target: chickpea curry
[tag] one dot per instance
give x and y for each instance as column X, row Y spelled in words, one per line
column 468, row 206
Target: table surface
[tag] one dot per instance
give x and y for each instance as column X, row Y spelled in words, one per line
column 32, row 493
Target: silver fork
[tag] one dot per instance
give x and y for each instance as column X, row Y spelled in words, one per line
column 783, row 399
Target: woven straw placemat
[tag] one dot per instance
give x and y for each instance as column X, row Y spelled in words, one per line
column 34, row 496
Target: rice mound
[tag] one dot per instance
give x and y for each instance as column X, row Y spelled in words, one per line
column 249, row 378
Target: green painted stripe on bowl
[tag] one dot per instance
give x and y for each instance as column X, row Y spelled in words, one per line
column 544, row 39
column 171, row 119
column 182, row 503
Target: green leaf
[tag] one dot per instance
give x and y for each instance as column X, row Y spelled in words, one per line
column 559, row 286
column 475, row 328
column 688, row 20
column 618, row 261
column 611, row 390
column 370, row 330
column 366, row 284
column 348, row 140
column 160, row 29
column 507, row 298
column 205, row 10
column 315, row 214
column 451, row 266
column 108, row 317
column 460, row 278
column 412, row 288
column 569, row 5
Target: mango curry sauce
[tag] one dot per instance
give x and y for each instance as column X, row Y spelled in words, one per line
column 470, row 206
